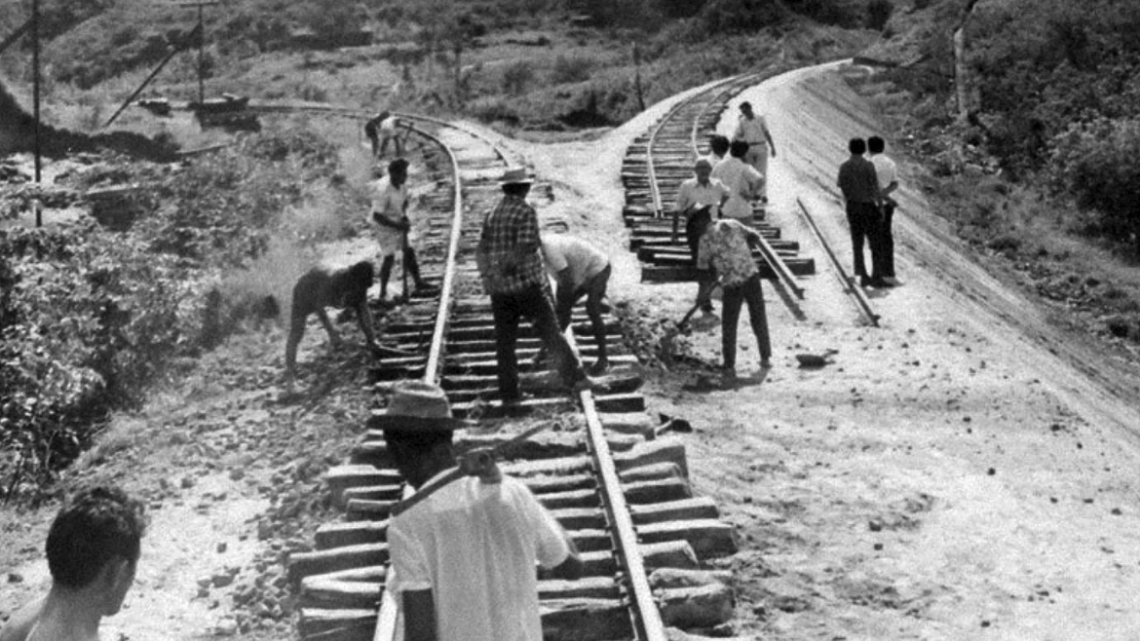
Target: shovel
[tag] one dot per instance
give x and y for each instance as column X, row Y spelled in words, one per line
column 684, row 322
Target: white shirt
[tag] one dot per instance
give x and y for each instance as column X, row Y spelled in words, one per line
column 474, row 545
column 743, row 182
column 751, row 130
column 692, row 193
column 388, row 126
column 584, row 260
column 885, row 170
column 388, row 201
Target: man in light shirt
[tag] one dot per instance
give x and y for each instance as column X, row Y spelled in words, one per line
column 391, row 226
column 744, row 183
column 699, row 200
column 579, row 269
column 888, row 174
column 464, row 557
column 752, row 129
column 382, row 129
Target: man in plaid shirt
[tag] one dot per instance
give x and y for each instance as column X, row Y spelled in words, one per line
column 513, row 273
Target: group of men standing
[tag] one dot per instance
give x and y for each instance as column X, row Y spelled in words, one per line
column 867, row 185
column 717, row 204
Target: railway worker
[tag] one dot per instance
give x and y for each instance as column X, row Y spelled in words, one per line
column 752, row 129
column 699, row 200
column 578, row 269
column 726, row 247
column 860, row 186
column 888, row 174
column 510, row 263
column 718, row 149
column 93, row 549
column 381, row 129
column 323, row 286
column 391, row 226
column 464, row 557
column 744, row 182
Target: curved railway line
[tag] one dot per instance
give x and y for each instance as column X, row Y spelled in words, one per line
column 619, row 489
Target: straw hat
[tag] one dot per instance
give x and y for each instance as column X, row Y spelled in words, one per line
column 516, row 176
column 417, row 406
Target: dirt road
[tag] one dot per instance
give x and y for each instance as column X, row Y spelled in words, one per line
column 962, row 471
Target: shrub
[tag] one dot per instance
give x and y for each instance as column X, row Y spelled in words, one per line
column 569, row 69
column 517, row 77
column 1099, row 163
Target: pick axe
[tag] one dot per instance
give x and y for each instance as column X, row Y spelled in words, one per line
column 476, row 462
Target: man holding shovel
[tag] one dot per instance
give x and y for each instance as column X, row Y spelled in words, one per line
column 726, row 246
column 391, row 225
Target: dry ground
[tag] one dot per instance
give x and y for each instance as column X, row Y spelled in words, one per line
column 950, row 476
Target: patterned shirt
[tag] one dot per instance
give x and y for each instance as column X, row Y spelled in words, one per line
column 510, row 230
column 724, row 246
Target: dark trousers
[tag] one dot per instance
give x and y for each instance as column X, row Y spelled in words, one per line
column 594, row 290
column 888, row 241
column 534, row 303
column 747, row 292
column 864, row 221
column 693, row 225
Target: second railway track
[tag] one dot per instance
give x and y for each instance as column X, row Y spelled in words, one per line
column 616, row 485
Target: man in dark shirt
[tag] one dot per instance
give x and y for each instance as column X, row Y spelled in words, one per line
column 510, row 263
column 860, row 189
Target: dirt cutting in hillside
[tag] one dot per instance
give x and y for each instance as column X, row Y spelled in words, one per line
column 952, row 474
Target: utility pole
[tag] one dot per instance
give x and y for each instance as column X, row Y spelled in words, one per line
column 36, row 105
column 201, row 41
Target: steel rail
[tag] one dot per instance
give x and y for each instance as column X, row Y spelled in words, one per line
column 784, row 276
column 852, row 288
column 387, row 621
column 647, row 618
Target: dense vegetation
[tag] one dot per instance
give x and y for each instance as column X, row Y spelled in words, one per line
column 90, row 318
column 1057, row 98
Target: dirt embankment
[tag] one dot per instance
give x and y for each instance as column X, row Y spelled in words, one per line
column 18, row 131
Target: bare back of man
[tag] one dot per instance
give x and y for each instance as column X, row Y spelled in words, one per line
column 328, row 286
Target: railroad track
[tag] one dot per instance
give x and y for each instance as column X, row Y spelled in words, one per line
column 612, row 480
column 654, row 167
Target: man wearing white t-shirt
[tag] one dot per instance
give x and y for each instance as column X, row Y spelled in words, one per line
column 743, row 181
column 752, row 129
column 579, row 269
column 391, row 226
column 463, row 558
column 888, row 174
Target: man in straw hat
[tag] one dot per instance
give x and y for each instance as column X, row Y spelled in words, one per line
column 464, row 557
column 510, row 261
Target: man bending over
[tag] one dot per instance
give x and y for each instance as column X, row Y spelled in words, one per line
column 329, row 286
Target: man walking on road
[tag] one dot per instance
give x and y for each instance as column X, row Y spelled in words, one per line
column 699, row 200
column 888, row 174
column 391, row 225
column 464, row 557
column 860, row 187
column 513, row 274
column 726, row 246
column 579, row 269
column 752, row 129
column 744, row 182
